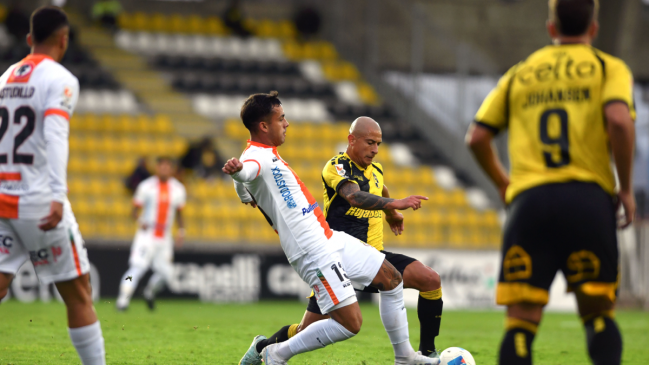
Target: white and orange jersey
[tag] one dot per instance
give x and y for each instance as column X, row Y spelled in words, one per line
column 159, row 201
column 37, row 98
column 282, row 197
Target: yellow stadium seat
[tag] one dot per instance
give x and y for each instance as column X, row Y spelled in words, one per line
column 214, row 26
column 179, row 146
column 124, row 229
column 141, row 22
column 196, row 24
column 208, row 211
column 161, row 147
column 74, row 143
column 348, row 71
column 77, row 187
column 327, row 51
column 458, row 198
column 125, row 21
column 160, row 23
column 82, row 208
column 178, row 24
column 190, row 211
column 162, row 124
column 266, row 28
column 286, row 29
column 104, row 228
column 308, row 132
column 293, row 50
column 92, row 166
column 367, row 94
column 141, row 124
column 107, row 123
column 89, row 122
column 125, row 124
column 192, row 231
column 86, row 226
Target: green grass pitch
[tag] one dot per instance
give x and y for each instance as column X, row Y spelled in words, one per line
column 190, row 332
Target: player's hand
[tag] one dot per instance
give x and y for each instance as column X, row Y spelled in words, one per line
column 53, row 219
column 252, row 204
column 232, row 166
column 627, row 200
column 395, row 220
column 413, row 201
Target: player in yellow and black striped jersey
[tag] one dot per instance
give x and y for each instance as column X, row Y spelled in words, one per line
column 356, row 201
column 366, row 225
column 566, row 108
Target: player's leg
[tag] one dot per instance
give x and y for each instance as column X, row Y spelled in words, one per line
column 429, row 304
column 336, row 297
column 592, row 270
column 139, row 262
column 529, row 264
column 162, row 265
column 61, row 258
column 368, row 267
column 5, row 280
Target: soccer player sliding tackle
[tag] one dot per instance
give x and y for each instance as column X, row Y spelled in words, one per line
column 35, row 214
column 355, row 200
column 329, row 261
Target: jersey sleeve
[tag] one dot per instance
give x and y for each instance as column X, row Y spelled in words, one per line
column 336, row 172
column 493, row 111
column 62, row 96
column 140, row 195
column 250, row 171
column 618, row 85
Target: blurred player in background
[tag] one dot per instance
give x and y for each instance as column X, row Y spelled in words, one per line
column 355, row 198
column 331, row 262
column 37, row 98
column 157, row 201
column 567, row 106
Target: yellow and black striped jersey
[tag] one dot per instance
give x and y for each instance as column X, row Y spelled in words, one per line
column 366, row 225
column 553, row 106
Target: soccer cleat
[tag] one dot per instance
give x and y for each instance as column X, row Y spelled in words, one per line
column 416, row 358
column 150, row 302
column 252, row 357
column 121, row 309
column 269, row 357
column 433, row 355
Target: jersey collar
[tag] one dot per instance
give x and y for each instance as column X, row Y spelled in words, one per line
column 257, row 144
column 355, row 164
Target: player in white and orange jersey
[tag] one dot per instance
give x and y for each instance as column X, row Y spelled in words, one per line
column 331, row 262
column 160, row 198
column 37, row 98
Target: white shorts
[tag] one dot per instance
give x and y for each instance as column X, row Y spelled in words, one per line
column 151, row 252
column 57, row 255
column 333, row 275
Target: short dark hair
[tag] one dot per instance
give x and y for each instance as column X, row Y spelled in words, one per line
column 257, row 107
column 45, row 21
column 573, row 17
column 167, row 159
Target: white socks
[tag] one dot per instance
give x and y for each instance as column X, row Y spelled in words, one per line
column 127, row 286
column 89, row 343
column 395, row 320
column 316, row 336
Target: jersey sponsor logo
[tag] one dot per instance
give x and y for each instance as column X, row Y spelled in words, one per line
column 361, row 213
column 275, row 159
column 340, row 169
column 309, row 209
column 563, row 68
column 283, row 189
column 13, row 186
column 6, row 243
column 376, row 180
column 39, row 257
column 23, row 92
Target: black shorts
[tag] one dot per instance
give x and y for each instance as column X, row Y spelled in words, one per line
column 569, row 227
column 399, row 261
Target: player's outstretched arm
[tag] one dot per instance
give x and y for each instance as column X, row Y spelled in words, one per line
column 621, row 132
column 360, row 199
column 479, row 141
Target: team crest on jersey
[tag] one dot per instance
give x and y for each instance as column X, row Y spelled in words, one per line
column 340, row 169
column 22, row 72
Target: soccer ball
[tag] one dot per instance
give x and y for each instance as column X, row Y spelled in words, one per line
column 456, row 356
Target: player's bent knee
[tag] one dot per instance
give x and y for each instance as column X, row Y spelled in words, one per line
column 434, row 280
